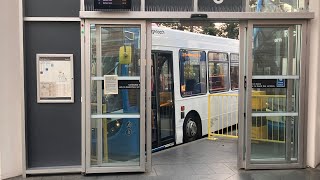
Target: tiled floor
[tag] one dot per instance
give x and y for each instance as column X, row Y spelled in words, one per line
column 199, row 160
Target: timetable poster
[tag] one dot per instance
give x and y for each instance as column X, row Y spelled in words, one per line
column 55, row 78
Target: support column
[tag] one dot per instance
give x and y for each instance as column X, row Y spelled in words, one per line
column 11, row 91
column 313, row 120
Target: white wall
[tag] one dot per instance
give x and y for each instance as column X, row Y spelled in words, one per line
column 11, row 89
column 313, row 128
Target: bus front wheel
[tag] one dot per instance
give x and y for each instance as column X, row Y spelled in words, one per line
column 191, row 128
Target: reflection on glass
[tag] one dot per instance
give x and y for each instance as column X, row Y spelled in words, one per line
column 115, row 142
column 119, row 49
column 276, row 5
column 268, row 139
column 127, row 101
column 271, row 50
column 273, row 100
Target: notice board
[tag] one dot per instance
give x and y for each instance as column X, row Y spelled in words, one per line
column 55, row 78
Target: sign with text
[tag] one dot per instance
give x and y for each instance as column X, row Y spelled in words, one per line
column 110, row 84
column 112, row 4
column 55, row 78
column 269, row 83
column 129, row 84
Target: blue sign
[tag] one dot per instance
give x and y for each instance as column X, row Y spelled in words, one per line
column 281, row 83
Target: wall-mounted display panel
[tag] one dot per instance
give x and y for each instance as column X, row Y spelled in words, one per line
column 112, row 4
column 55, row 78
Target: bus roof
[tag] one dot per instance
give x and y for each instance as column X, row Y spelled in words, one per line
column 167, row 37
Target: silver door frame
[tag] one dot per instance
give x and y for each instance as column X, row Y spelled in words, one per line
column 86, row 107
column 241, row 100
column 246, row 128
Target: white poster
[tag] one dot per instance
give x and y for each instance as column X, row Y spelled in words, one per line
column 110, row 84
column 55, row 78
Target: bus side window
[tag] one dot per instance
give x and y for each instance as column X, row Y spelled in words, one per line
column 234, row 71
column 192, row 72
column 218, row 72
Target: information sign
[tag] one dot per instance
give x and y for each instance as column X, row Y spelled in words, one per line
column 110, row 84
column 112, row 4
column 269, row 83
column 129, row 84
column 55, row 78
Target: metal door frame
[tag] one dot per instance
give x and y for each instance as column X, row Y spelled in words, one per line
column 86, row 106
column 244, row 154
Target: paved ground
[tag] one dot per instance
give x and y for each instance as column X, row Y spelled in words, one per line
column 199, row 160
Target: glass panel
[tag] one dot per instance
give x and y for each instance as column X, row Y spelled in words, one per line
column 162, row 99
column 268, row 139
column 166, row 110
column 271, row 100
column 115, row 142
column 154, row 103
column 192, row 72
column 218, row 72
column 120, row 51
column 274, row 135
column 276, row 5
column 115, row 51
column 126, row 101
column 271, row 50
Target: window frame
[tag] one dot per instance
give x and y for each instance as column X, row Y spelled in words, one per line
column 206, row 69
column 227, row 61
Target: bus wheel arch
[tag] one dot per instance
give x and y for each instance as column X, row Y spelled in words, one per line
column 192, row 127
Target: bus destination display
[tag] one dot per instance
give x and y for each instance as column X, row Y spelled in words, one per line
column 112, row 4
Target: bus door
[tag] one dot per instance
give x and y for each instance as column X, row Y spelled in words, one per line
column 163, row 124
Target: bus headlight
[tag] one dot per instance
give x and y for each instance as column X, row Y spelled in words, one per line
column 114, row 127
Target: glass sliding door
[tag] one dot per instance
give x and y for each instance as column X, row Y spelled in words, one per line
column 115, row 97
column 275, row 95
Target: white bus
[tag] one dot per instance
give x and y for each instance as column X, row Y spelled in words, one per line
column 186, row 68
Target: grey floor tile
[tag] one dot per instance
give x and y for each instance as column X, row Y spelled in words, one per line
column 199, row 160
column 202, row 169
column 170, row 170
column 162, row 178
column 314, row 176
column 192, row 177
column 53, row 177
column 74, row 177
column 220, row 168
column 233, row 166
column 34, row 177
column 215, row 177
column 16, row 178
column 132, row 177
column 258, row 175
